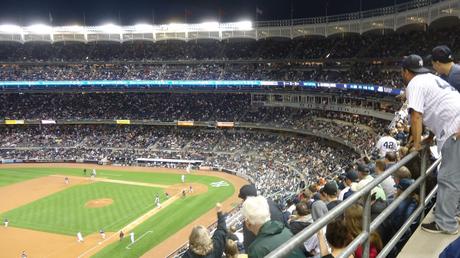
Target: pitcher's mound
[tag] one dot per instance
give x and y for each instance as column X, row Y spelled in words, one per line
column 98, row 203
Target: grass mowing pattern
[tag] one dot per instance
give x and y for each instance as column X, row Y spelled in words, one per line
column 163, row 224
column 168, row 221
column 65, row 212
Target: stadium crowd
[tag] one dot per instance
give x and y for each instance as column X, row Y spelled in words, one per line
column 372, row 45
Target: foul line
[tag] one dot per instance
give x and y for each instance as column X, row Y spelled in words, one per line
column 148, row 232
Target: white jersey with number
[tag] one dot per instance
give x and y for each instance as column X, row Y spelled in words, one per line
column 386, row 144
column 439, row 104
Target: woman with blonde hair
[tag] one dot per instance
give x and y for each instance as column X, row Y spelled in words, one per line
column 353, row 218
column 231, row 250
column 201, row 244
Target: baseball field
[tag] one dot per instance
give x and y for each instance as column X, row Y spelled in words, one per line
column 45, row 212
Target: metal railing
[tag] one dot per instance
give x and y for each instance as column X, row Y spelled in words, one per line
column 368, row 225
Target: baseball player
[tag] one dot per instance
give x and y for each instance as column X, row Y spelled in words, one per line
column 80, row 237
column 131, row 235
column 190, row 189
column 157, row 201
column 84, row 172
column 5, row 222
column 23, row 254
column 93, row 174
column 102, row 233
column 182, row 178
column 121, row 235
column 184, row 193
column 66, row 180
column 189, row 168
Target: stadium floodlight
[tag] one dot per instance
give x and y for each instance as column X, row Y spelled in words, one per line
column 244, row 25
column 10, row 28
column 40, row 29
column 110, row 28
column 143, row 27
column 177, row 26
column 75, row 28
column 209, row 25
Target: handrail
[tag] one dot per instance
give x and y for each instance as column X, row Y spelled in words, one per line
column 363, row 238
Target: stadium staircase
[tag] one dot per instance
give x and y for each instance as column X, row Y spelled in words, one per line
column 426, row 245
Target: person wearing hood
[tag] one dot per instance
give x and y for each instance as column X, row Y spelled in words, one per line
column 275, row 212
column 201, row 244
column 269, row 234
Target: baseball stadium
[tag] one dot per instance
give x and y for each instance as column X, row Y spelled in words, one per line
column 327, row 130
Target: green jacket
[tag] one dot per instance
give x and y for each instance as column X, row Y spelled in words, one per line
column 271, row 235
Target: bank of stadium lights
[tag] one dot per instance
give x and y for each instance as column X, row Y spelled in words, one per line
column 10, row 28
column 141, row 27
column 110, row 28
column 40, row 29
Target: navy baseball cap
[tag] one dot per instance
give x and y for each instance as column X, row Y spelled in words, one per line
column 404, row 183
column 330, row 188
column 247, row 190
column 363, row 168
column 352, row 176
column 414, row 63
column 442, row 54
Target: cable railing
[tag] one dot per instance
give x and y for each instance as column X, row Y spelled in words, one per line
column 369, row 226
column 388, row 10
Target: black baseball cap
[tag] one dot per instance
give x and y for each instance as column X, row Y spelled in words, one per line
column 414, row 63
column 352, row 176
column 363, row 168
column 247, row 190
column 442, row 54
column 330, row 188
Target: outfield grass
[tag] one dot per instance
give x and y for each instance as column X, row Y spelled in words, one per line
column 65, row 212
column 58, row 212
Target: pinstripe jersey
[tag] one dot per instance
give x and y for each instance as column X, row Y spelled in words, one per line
column 438, row 102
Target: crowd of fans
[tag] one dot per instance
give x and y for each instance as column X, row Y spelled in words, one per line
column 278, row 162
column 199, row 71
column 338, row 46
column 197, row 107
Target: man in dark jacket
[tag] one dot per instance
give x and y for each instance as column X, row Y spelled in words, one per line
column 269, row 234
column 201, row 244
column 275, row 213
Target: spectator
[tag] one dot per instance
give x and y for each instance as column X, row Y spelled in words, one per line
column 428, row 96
column 351, row 178
column 387, row 184
column 275, row 213
column 269, row 233
column 353, row 221
column 442, row 60
column 338, row 237
column 201, row 244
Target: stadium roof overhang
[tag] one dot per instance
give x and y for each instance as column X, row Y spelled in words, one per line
column 389, row 18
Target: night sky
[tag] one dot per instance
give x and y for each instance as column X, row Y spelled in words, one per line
column 128, row 12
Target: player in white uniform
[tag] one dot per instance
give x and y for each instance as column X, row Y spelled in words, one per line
column 93, row 174
column 157, row 201
column 189, row 168
column 386, row 144
column 5, row 222
column 182, row 178
column 131, row 235
column 79, row 237
column 436, row 104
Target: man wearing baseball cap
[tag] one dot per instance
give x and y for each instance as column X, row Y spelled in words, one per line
column 436, row 104
column 443, row 63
